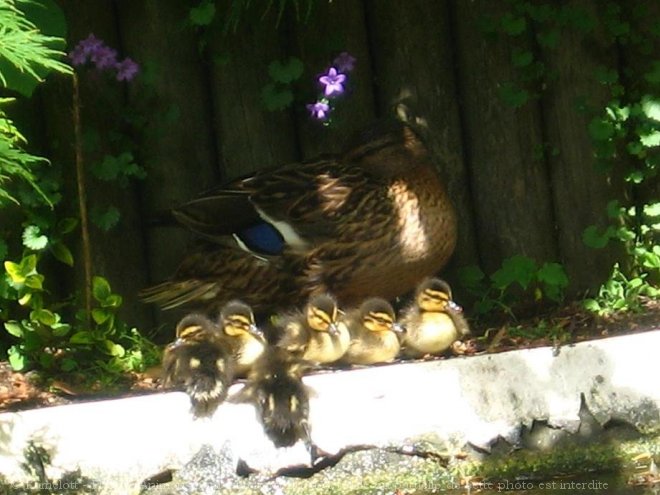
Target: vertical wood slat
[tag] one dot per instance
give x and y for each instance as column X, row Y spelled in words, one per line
column 510, row 187
column 333, row 27
column 414, row 66
column 102, row 98
column 248, row 136
column 581, row 192
column 177, row 148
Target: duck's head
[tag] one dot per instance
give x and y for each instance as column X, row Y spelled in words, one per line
column 434, row 295
column 192, row 326
column 377, row 315
column 237, row 319
column 322, row 313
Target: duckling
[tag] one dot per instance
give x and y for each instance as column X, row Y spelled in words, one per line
column 281, row 399
column 433, row 321
column 374, row 332
column 199, row 362
column 244, row 340
column 316, row 334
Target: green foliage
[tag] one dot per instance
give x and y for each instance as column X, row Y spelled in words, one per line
column 500, row 291
column 278, row 95
column 620, row 293
column 45, row 339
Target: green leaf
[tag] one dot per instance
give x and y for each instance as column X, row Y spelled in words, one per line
column 287, row 71
column 105, row 219
column 82, row 337
column 60, row 329
column 44, row 317
column 68, row 364
column 601, row 129
column 518, row 268
column 34, row 281
column 593, row 238
column 100, row 315
column 62, row 253
column 17, row 360
column 553, row 274
column 14, row 328
column 614, row 209
column 512, row 24
column 591, row 305
column 275, row 99
column 114, row 349
column 513, row 96
column 33, row 239
column 67, row 225
column 101, row 289
column 522, row 58
column 113, row 301
column 14, row 272
column 203, row 14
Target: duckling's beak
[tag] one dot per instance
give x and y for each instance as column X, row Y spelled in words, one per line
column 254, row 330
column 399, row 328
column 333, row 329
column 454, row 307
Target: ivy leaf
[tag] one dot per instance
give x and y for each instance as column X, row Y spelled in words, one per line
column 513, row 96
column 595, row 239
column 275, row 99
column 203, row 14
column 286, row 72
column 553, row 274
column 512, row 24
column 14, row 328
column 520, row 269
column 17, row 360
column 105, row 219
column 44, row 316
column 33, row 239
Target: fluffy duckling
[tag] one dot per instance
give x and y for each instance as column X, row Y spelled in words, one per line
column 281, row 399
column 375, row 335
column 244, row 340
column 433, row 321
column 316, row 334
column 199, row 362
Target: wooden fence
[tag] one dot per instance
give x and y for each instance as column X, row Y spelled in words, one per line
column 522, row 177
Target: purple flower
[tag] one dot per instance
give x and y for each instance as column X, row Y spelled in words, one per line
column 78, row 56
column 127, row 69
column 332, row 82
column 104, row 58
column 319, row 110
column 90, row 44
column 345, row 62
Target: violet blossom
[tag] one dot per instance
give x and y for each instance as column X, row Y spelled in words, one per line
column 333, row 82
column 319, row 110
column 127, row 69
column 103, row 57
column 345, row 62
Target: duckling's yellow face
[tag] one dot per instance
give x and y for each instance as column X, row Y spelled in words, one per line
column 189, row 332
column 322, row 315
column 378, row 321
column 433, row 300
column 239, row 324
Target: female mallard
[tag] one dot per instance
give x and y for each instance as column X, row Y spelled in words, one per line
column 200, row 362
column 373, row 221
column 374, row 333
column 315, row 334
column 433, row 321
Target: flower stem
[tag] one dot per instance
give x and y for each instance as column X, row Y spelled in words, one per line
column 82, row 201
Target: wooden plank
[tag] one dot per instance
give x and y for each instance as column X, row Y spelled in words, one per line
column 333, row 27
column 512, row 198
column 574, row 96
column 102, row 100
column 178, row 147
column 404, row 36
column 249, row 137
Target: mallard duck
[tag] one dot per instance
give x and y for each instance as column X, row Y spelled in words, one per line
column 315, row 334
column 243, row 339
column 371, row 221
column 275, row 387
column 199, row 362
column 375, row 334
column 433, row 321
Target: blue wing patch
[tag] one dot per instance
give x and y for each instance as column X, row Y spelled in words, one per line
column 262, row 238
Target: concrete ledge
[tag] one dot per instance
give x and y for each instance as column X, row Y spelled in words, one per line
column 443, row 405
